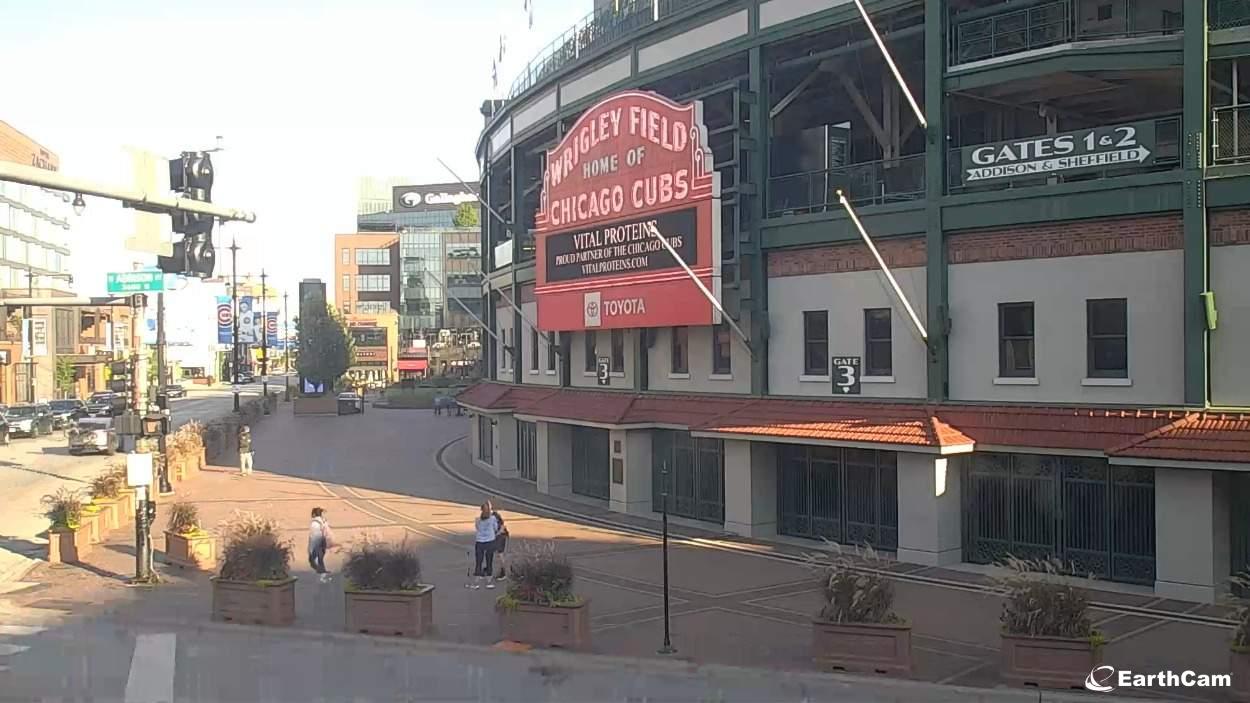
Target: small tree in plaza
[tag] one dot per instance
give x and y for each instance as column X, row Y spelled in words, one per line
column 466, row 215
column 65, row 377
column 325, row 347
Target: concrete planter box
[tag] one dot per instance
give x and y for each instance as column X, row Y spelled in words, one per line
column 565, row 626
column 320, row 405
column 398, row 613
column 111, row 516
column 863, row 647
column 66, row 546
column 1048, row 662
column 254, row 602
column 195, row 550
column 92, row 520
column 1239, row 666
column 126, row 507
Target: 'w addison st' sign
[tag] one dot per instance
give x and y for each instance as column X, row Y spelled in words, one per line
column 633, row 160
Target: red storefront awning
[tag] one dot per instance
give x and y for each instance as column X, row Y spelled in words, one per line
column 413, row 364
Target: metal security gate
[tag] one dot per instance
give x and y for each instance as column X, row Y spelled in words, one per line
column 527, row 450
column 1240, row 523
column 591, row 462
column 848, row 496
column 696, row 475
column 1098, row 518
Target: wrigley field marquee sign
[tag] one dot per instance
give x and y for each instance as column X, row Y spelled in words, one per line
column 1095, row 149
column 632, row 162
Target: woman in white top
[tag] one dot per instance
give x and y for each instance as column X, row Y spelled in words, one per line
column 486, row 529
column 319, row 540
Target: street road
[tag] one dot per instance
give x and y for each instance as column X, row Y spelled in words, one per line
column 33, row 468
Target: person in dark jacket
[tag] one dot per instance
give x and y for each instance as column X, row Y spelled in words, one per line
column 501, row 541
column 245, row 450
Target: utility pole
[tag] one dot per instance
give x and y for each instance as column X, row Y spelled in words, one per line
column 264, row 343
column 30, row 337
column 286, row 335
column 162, row 400
column 234, row 315
column 668, row 642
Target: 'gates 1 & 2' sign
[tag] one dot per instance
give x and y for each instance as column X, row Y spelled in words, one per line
column 634, row 161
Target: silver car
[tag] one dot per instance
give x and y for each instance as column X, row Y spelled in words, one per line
column 93, row 435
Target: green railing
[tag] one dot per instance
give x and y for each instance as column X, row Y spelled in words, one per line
column 985, row 33
column 595, row 31
column 865, row 183
column 1232, row 134
column 1227, row 14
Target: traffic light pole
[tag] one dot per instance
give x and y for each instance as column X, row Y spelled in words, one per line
column 264, row 344
column 162, row 383
column 234, row 317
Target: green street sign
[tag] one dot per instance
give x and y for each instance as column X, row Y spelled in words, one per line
column 136, row 282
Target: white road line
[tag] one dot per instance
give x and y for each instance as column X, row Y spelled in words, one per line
column 8, row 650
column 152, row 669
column 20, row 630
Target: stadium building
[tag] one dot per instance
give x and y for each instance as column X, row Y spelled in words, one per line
column 1043, row 352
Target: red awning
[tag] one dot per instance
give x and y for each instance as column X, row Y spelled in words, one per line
column 413, row 364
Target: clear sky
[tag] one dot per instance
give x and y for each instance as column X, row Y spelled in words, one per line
column 309, row 95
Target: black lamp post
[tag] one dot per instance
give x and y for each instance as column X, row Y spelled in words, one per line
column 668, row 643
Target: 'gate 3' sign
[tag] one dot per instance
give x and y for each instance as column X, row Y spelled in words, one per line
column 634, row 161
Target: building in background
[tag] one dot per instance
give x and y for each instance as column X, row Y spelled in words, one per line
column 366, row 273
column 375, row 355
column 429, row 205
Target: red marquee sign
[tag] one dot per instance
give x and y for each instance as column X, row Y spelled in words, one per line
column 634, row 161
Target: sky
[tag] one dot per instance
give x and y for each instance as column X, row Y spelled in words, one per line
column 308, row 96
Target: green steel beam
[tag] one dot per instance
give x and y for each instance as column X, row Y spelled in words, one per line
column 1229, row 191
column 761, row 129
column 1195, row 124
column 1165, row 53
column 1123, row 196
column 823, row 228
column 518, row 327
column 936, row 289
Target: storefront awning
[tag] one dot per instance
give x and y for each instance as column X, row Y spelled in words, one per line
column 413, row 364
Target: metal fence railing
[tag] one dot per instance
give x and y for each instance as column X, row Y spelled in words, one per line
column 866, row 183
column 984, row 34
column 593, row 32
column 1228, row 14
column 1231, row 141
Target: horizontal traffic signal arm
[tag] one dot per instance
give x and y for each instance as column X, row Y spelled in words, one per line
column 150, row 202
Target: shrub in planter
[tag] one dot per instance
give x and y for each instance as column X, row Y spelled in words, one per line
column 67, row 540
column 254, row 583
column 539, row 607
column 192, row 437
column 857, row 628
column 1240, row 655
column 383, row 590
column 1047, row 637
column 106, row 492
column 187, row 544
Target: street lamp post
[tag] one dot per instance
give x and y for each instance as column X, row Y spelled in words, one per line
column 286, row 335
column 234, row 316
column 264, row 343
column 668, row 642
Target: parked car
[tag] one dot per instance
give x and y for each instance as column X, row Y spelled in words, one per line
column 245, row 376
column 106, row 404
column 175, row 390
column 66, row 411
column 29, row 420
column 93, row 435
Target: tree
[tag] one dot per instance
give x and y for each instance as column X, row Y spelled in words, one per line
column 325, row 347
column 66, row 375
column 466, row 215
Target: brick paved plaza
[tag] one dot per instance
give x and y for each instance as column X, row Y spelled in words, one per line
column 733, row 602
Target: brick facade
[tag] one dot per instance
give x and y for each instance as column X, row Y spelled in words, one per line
column 1228, row 227
column 1061, row 239
column 21, row 149
column 903, row 252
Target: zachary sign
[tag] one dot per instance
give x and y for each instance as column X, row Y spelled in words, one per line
column 1115, row 146
column 633, row 162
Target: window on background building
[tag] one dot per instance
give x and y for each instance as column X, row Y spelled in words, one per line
column 373, row 282
column 551, row 351
column 372, row 307
column 347, row 282
column 1107, row 330
column 816, row 342
column 722, row 363
column 347, row 255
column 618, row 351
column 679, row 350
column 1015, row 340
column 878, row 343
column 588, row 346
column 534, row 350
column 373, row 257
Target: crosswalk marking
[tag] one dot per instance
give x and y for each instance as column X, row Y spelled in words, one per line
column 8, row 650
column 152, row 669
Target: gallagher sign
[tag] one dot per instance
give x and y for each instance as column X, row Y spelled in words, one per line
column 632, row 161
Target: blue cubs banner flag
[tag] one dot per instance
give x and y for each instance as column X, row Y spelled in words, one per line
column 271, row 330
column 225, row 319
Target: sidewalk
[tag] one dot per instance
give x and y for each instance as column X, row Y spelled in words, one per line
column 729, row 607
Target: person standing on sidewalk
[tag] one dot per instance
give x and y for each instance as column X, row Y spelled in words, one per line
column 245, row 450
column 485, row 531
column 501, row 540
column 319, row 540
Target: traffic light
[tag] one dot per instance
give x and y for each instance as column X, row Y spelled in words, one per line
column 121, row 377
column 193, row 255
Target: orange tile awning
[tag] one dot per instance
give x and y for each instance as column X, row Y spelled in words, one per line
column 1161, row 434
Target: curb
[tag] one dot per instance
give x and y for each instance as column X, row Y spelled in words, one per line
column 589, row 662
column 23, row 566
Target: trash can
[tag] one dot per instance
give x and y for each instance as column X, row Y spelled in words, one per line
column 347, row 406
